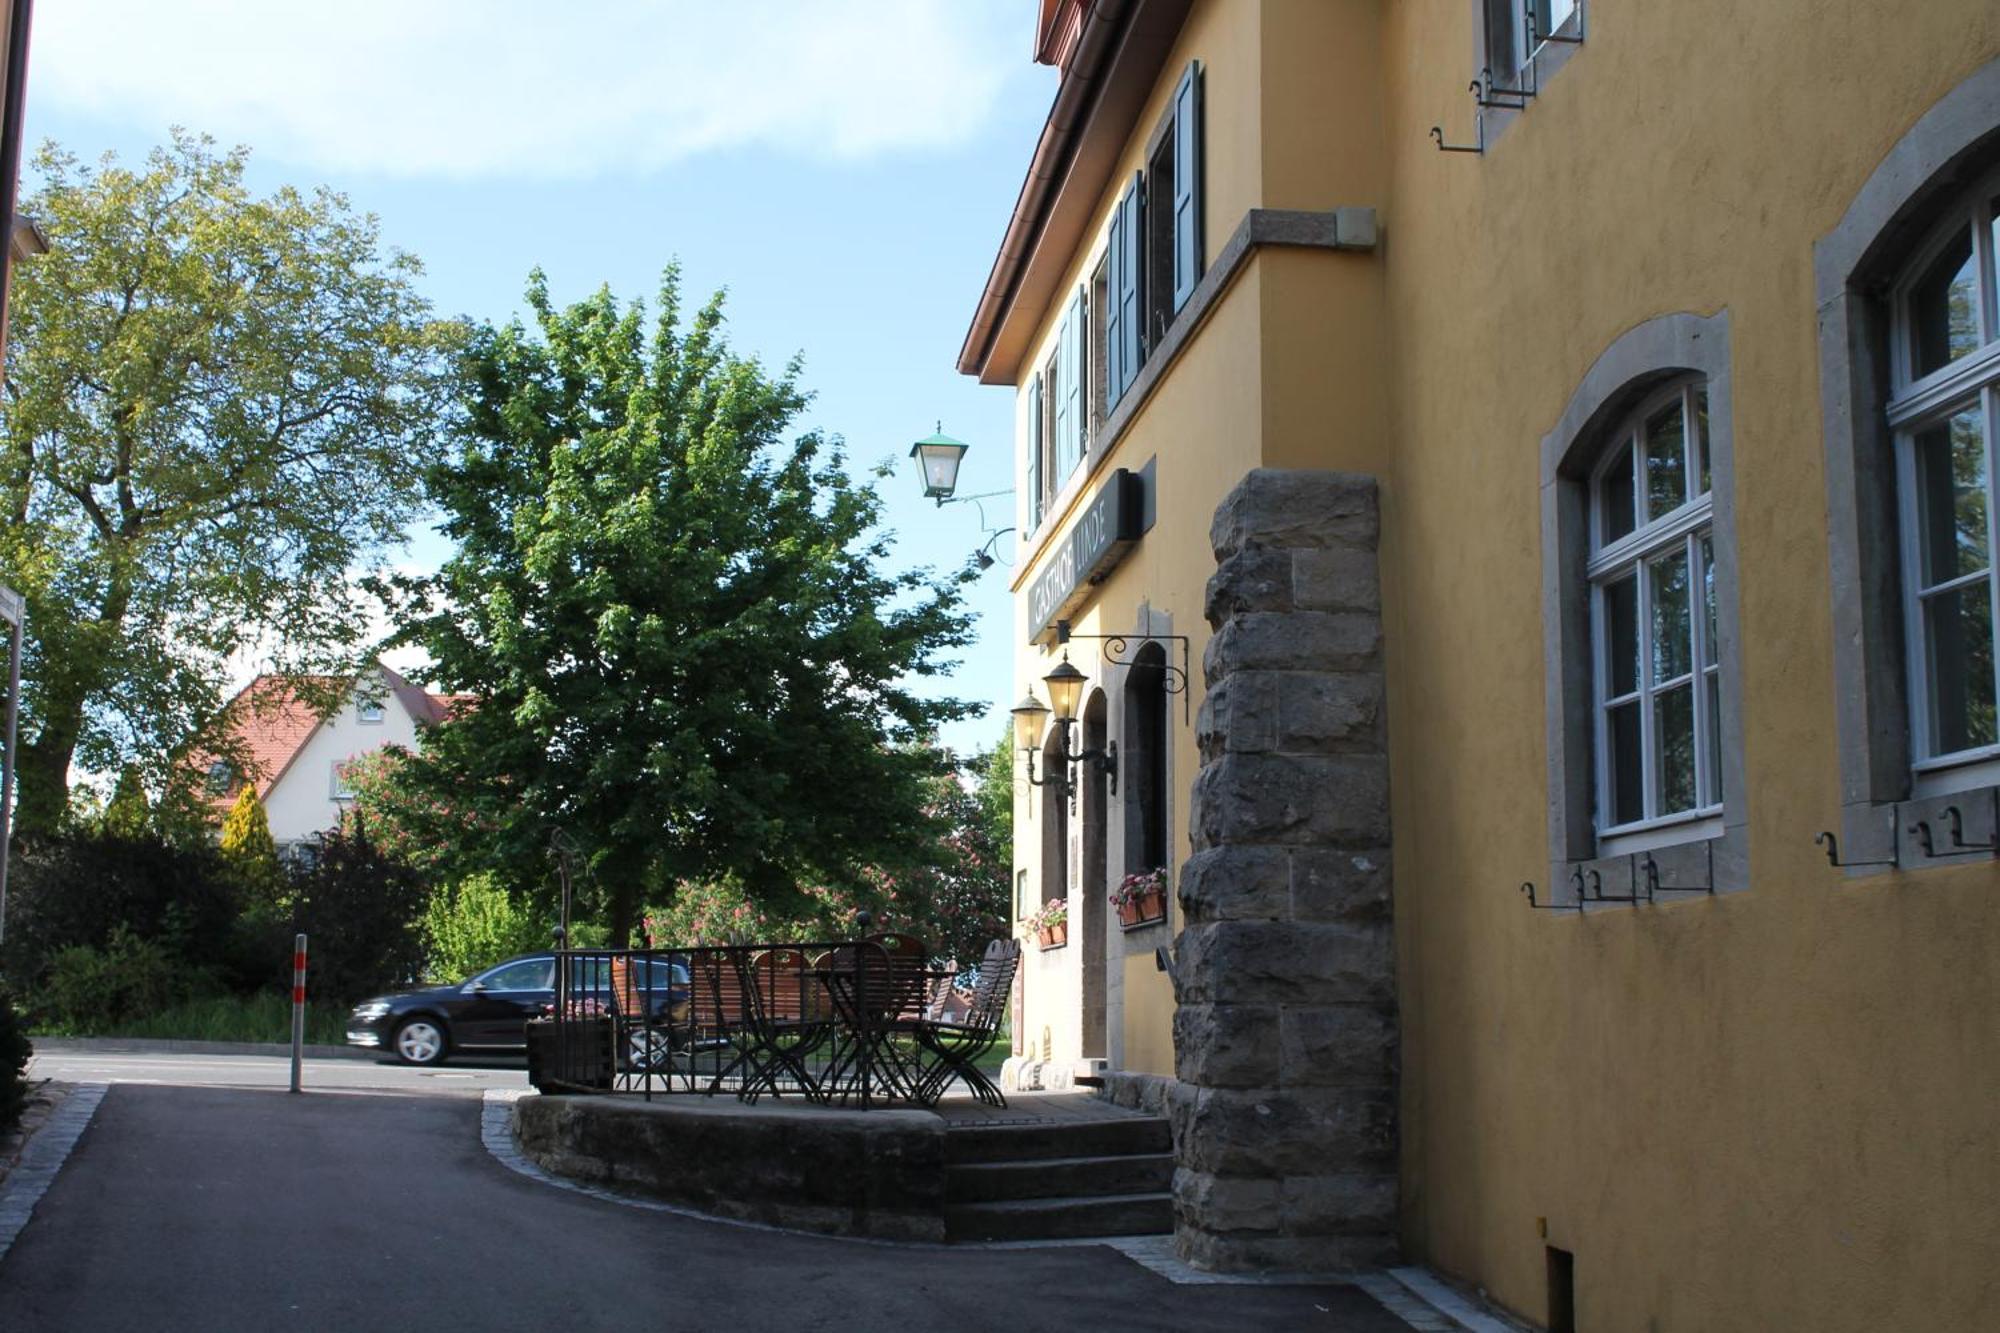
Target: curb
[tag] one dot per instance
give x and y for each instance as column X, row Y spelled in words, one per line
column 175, row 1047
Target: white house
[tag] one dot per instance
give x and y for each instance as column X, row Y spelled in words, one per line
column 297, row 758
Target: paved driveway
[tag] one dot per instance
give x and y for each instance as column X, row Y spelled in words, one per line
column 217, row 1208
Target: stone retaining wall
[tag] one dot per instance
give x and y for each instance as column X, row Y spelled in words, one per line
column 1285, row 1035
column 848, row 1173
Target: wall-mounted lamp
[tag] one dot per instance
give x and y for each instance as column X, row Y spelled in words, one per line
column 1066, row 684
column 938, row 457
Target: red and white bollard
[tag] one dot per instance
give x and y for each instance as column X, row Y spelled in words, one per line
column 298, row 1008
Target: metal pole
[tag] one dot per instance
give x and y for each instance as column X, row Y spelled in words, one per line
column 14, row 610
column 298, row 1008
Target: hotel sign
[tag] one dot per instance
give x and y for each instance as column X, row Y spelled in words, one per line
column 1106, row 529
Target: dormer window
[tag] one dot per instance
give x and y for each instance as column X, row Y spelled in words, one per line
column 218, row 777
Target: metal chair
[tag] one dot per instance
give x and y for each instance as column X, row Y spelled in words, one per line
column 956, row 1048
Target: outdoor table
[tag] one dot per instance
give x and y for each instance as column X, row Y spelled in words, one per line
column 869, row 1022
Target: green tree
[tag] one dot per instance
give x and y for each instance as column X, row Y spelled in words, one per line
column 474, row 924
column 128, row 815
column 212, row 400
column 687, row 645
column 247, row 848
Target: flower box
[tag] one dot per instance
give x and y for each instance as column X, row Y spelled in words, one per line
column 1053, row 937
column 1143, row 909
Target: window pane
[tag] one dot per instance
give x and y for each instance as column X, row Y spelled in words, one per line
column 1673, row 724
column 1951, row 498
column 1943, row 326
column 1666, row 461
column 1711, row 649
column 1958, row 634
column 1672, row 630
column 1621, row 639
column 1615, row 493
column 1701, row 436
column 1712, row 760
column 1628, row 798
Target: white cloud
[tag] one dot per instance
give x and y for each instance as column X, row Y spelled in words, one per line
column 470, row 88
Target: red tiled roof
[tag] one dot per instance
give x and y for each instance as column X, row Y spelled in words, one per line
column 274, row 723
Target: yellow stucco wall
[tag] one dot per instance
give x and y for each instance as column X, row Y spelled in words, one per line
column 1771, row 1110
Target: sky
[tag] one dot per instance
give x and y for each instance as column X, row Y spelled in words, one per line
column 845, row 168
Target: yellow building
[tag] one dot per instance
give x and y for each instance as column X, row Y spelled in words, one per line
column 1592, row 494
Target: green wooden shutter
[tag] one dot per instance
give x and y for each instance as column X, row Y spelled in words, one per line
column 1079, row 419
column 1114, row 310
column 1035, row 452
column 1131, row 286
column 1187, row 185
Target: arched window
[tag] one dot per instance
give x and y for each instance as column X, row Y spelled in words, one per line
column 1143, row 759
column 1909, row 354
column 1639, row 611
column 1055, row 821
column 1945, row 379
column 1653, row 623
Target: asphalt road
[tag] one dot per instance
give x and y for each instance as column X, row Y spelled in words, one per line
column 219, row 1208
column 102, row 1065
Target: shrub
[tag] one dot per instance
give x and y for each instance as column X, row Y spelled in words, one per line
column 247, row 849
column 91, row 991
column 360, row 909
column 73, row 889
column 474, row 924
column 14, row 1053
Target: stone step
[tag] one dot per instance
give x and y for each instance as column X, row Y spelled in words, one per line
column 1070, row 1177
column 1109, row 1137
column 1060, row 1219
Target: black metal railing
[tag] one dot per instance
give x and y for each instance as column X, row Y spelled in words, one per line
column 849, row 1022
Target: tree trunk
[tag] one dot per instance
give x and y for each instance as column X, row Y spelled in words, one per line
column 43, row 794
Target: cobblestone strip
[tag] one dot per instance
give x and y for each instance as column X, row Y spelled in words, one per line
column 42, row 1158
column 1440, row 1296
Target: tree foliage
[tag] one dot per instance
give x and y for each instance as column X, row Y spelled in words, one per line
column 688, row 646
column 247, row 847
column 476, row 923
column 212, row 400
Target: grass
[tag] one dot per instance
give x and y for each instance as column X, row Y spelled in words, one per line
column 254, row 1018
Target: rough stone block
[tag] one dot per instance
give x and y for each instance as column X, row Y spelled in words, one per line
column 1292, row 799
column 1294, row 1131
column 1293, row 641
column 1227, row 1045
column 1336, row 1045
column 1339, row 579
column 1324, row 712
column 1241, row 883
column 1284, row 962
column 1257, row 579
column 1359, row 1203
column 1239, row 713
column 1340, row 883
column 1227, row 1203
column 1295, row 508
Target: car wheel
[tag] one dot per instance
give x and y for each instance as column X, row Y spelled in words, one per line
column 647, row 1051
column 420, row 1041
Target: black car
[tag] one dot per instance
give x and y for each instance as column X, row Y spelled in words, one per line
column 489, row 1013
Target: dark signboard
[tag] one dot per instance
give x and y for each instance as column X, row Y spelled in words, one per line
column 1099, row 538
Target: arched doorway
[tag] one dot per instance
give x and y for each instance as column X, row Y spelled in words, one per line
column 1144, row 761
column 1090, row 907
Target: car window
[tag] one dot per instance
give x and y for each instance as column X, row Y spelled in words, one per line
column 528, row 974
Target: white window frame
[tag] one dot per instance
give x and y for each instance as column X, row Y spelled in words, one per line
column 370, row 712
column 338, row 786
column 1917, row 404
column 1686, row 529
